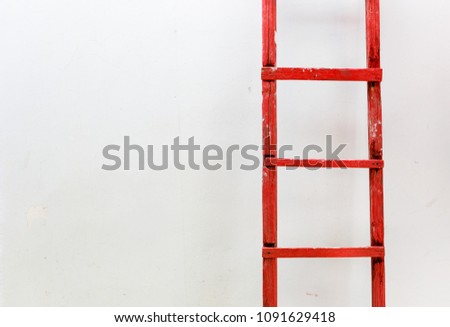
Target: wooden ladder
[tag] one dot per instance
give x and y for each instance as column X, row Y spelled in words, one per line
column 372, row 75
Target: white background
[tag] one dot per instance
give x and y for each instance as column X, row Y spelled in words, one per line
column 78, row 75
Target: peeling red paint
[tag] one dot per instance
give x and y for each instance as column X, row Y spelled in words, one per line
column 373, row 75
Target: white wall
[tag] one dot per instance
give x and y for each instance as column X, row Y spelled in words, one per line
column 78, row 75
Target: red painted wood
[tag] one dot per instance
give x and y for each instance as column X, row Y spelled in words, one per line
column 320, row 163
column 375, row 151
column 269, row 52
column 322, row 74
column 270, row 282
column 373, row 74
column 373, row 251
column 269, row 196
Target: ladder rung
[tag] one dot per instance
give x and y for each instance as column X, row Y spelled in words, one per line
column 322, row 74
column 321, row 163
column 369, row 252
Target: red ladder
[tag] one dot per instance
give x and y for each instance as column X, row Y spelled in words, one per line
column 372, row 75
